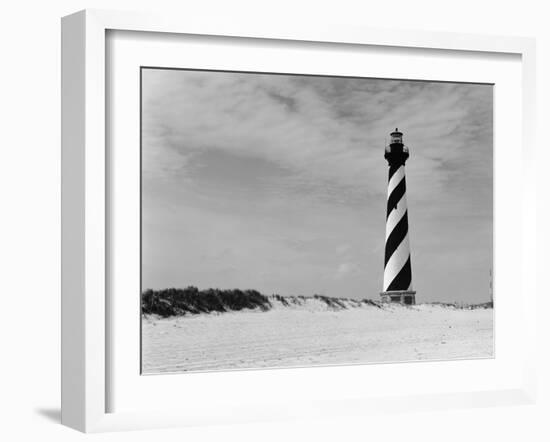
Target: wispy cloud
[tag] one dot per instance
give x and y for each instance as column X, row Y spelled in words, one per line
column 346, row 268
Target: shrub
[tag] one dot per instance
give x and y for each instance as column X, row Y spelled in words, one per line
column 191, row 300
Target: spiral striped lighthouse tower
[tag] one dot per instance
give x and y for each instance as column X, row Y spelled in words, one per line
column 397, row 260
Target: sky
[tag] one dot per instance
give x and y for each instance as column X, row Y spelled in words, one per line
column 278, row 183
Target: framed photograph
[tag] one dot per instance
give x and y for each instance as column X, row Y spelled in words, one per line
column 265, row 222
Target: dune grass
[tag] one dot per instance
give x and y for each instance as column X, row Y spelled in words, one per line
column 192, row 301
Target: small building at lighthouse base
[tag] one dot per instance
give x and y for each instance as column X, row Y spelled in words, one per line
column 407, row 297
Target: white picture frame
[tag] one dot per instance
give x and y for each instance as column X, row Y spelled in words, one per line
column 85, row 209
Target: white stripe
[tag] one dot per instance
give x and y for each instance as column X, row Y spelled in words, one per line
column 396, row 179
column 396, row 261
column 396, row 215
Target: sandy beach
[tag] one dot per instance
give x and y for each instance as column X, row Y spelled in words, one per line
column 314, row 335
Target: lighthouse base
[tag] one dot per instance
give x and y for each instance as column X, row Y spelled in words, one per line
column 406, row 297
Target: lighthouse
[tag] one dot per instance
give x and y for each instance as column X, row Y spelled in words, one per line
column 397, row 257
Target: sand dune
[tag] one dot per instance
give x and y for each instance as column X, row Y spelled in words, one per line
column 311, row 333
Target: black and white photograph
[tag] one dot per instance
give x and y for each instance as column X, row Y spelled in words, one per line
column 298, row 220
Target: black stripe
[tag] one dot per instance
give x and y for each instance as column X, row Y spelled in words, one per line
column 395, row 196
column 403, row 279
column 396, row 236
column 393, row 169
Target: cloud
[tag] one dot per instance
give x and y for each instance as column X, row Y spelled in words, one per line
column 343, row 249
column 346, row 268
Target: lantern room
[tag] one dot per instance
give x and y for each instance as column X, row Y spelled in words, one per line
column 396, row 137
column 396, row 152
